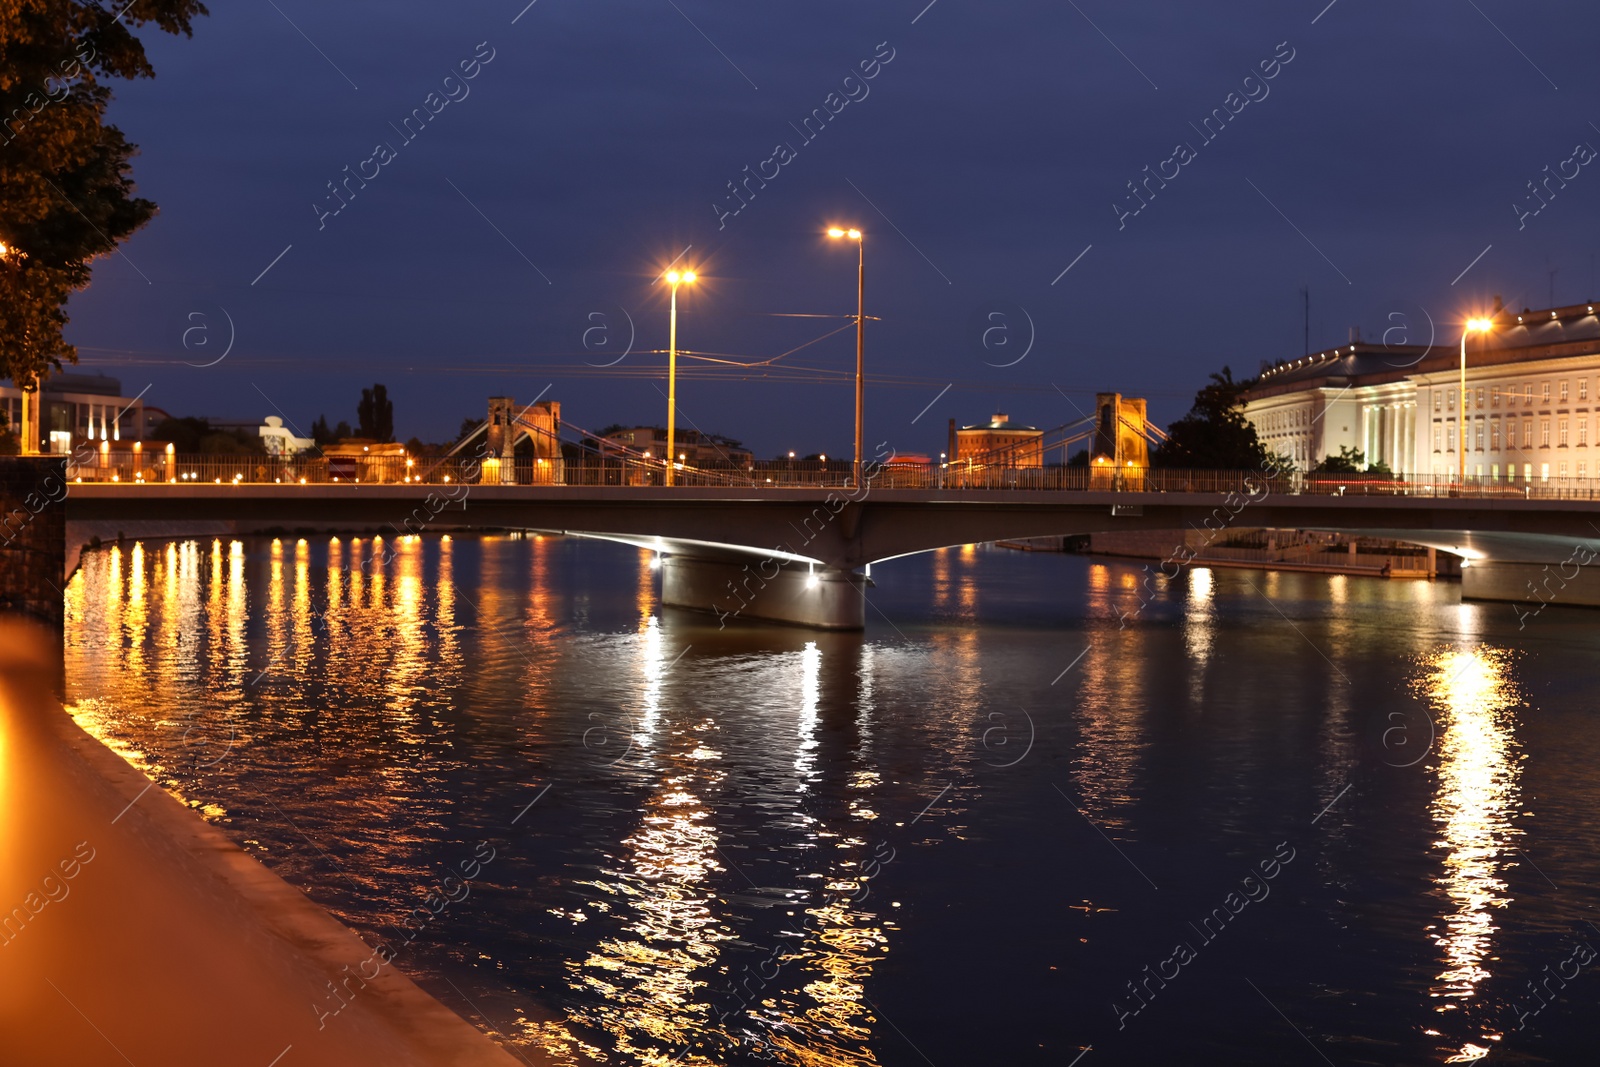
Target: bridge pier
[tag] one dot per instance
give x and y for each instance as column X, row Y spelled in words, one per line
column 1570, row 583
column 759, row 587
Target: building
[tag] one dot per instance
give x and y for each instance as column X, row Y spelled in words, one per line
column 278, row 440
column 1528, row 414
column 997, row 443
column 75, row 408
column 695, row 449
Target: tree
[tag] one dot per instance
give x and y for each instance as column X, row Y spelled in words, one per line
column 375, row 414
column 1214, row 435
column 320, row 434
column 1350, row 461
column 467, row 426
column 66, row 195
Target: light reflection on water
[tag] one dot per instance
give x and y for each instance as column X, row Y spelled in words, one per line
column 736, row 818
column 1474, row 808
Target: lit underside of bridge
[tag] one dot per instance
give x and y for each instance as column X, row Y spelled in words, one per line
column 801, row 555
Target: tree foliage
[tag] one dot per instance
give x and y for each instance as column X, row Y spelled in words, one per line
column 66, row 195
column 1214, row 435
column 1350, row 461
column 375, row 414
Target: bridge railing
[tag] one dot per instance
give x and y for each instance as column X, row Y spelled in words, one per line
column 156, row 467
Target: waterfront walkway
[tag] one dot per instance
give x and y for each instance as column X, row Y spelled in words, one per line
column 133, row 932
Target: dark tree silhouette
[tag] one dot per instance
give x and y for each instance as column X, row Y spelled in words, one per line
column 1214, row 435
column 375, row 414
column 65, row 191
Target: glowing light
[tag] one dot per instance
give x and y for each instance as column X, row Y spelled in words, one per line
column 1476, row 325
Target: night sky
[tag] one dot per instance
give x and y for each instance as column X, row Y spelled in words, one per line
column 496, row 250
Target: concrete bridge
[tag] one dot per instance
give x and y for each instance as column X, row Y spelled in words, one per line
column 803, row 554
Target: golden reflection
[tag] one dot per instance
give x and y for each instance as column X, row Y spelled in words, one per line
column 805, row 756
column 1199, row 629
column 1112, row 707
column 1474, row 808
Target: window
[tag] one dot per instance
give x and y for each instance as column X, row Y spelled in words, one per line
column 1527, row 472
column 1494, row 472
column 1450, row 400
column 1527, row 393
column 1563, row 470
column 1477, row 435
column 1583, row 389
column 1494, row 435
column 1581, row 466
column 1436, row 433
column 1544, row 433
column 1436, row 400
column 1561, row 433
column 1478, row 400
column 1494, row 397
column 1544, row 392
column 1450, row 436
column 1583, row 431
column 1544, row 472
column 1527, row 433
column 1563, row 389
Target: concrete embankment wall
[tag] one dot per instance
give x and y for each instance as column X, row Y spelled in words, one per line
column 133, row 931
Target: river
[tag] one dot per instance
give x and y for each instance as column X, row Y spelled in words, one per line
column 1041, row 811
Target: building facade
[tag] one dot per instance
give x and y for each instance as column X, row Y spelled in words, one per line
column 1530, row 413
column 74, row 408
column 694, row 448
column 997, row 443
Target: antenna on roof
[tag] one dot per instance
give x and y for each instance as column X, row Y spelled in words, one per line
column 1305, row 291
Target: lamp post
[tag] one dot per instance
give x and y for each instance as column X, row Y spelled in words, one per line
column 861, row 337
column 674, row 279
column 29, row 429
column 1473, row 326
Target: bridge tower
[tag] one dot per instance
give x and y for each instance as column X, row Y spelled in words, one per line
column 502, row 437
column 1120, row 454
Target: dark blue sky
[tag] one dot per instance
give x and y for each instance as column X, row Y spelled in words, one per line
column 984, row 158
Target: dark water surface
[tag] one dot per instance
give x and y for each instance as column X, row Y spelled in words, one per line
column 1273, row 819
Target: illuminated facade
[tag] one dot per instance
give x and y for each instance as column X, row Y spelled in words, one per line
column 76, row 408
column 998, row 443
column 1530, row 410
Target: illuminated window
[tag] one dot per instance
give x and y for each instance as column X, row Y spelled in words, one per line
column 1544, row 433
column 1544, row 472
column 1527, row 433
column 1583, row 431
column 1494, row 398
column 1563, row 390
column 1527, row 472
column 1477, row 435
column 1436, row 434
column 1478, row 400
column 1527, row 393
column 1563, row 471
column 1494, row 435
column 1583, row 389
column 1544, row 392
column 1494, row 471
column 1561, row 433
column 1450, row 400
column 1436, row 400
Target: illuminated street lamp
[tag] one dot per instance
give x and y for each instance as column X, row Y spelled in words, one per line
column 861, row 334
column 1473, row 326
column 674, row 279
column 30, row 399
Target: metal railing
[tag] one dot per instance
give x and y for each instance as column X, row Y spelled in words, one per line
column 181, row 469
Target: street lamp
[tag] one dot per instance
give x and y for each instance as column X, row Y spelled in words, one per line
column 861, row 334
column 674, row 279
column 30, row 410
column 1472, row 326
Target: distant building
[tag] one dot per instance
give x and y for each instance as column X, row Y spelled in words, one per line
column 1531, row 412
column 997, row 443
column 75, row 408
column 694, row 448
column 279, row 441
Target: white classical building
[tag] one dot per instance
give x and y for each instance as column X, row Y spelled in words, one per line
column 1531, row 411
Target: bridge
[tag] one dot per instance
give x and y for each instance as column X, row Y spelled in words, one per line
column 801, row 549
